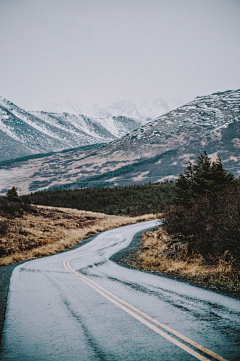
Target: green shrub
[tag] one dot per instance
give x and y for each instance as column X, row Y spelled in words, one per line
column 202, row 179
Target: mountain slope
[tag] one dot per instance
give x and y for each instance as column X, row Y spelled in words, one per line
column 190, row 122
column 24, row 133
column 157, row 151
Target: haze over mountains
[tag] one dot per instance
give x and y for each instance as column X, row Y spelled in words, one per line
column 142, row 111
column 156, row 151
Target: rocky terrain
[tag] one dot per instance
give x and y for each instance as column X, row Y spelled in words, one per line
column 154, row 152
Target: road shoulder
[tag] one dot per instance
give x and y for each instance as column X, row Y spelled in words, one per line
column 128, row 257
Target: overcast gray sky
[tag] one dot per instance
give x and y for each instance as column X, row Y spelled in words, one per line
column 101, row 51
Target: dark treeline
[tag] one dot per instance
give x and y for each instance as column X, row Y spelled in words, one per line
column 129, row 200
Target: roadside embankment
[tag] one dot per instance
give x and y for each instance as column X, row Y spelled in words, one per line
column 154, row 253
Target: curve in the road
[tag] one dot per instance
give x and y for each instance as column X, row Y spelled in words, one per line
column 119, row 303
column 51, row 315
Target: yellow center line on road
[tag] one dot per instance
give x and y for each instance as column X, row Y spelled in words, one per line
column 121, row 302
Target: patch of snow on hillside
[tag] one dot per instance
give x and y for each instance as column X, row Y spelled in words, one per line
column 8, row 131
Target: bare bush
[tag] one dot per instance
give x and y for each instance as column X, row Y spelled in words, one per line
column 14, row 208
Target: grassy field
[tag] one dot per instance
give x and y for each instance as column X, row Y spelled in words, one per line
column 50, row 230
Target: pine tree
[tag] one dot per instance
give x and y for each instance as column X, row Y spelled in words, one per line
column 12, row 195
column 202, row 179
column 184, row 185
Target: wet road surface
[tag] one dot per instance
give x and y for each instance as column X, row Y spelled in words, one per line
column 79, row 305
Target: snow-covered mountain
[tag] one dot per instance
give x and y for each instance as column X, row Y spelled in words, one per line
column 69, row 125
column 157, row 151
column 24, row 133
column 143, row 111
column 204, row 116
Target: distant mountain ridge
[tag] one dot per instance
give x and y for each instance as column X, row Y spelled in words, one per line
column 24, row 133
column 157, row 151
column 142, row 111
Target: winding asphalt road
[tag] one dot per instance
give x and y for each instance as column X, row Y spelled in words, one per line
column 79, row 305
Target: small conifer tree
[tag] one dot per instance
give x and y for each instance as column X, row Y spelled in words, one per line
column 12, row 195
column 201, row 179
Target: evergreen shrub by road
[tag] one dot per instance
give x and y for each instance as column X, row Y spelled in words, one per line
column 206, row 211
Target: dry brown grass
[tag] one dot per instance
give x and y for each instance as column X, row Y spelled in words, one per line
column 158, row 256
column 51, row 230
